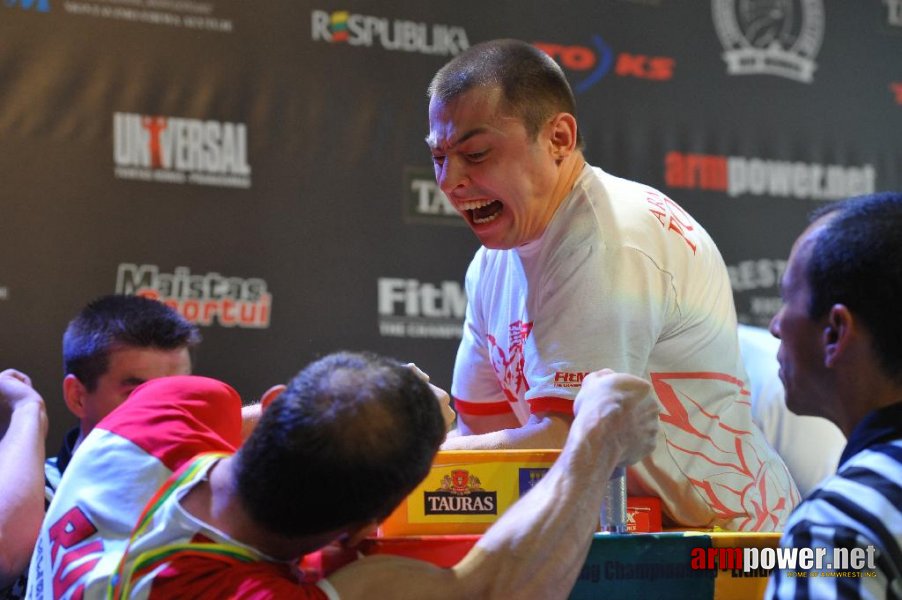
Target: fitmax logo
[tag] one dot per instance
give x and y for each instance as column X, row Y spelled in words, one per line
column 35, row 5
column 411, row 308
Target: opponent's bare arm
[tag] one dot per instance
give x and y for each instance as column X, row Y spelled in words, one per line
column 538, row 547
column 23, row 427
column 500, row 432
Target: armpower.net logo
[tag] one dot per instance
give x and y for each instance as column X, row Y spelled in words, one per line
column 794, row 562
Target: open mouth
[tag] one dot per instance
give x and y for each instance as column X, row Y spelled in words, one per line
column 483, row 211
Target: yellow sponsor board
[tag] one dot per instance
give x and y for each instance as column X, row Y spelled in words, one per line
column 466, row 491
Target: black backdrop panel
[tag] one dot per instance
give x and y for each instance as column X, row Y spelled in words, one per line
column 262, row 165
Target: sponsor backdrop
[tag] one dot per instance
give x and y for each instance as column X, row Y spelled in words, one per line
column 261, row 166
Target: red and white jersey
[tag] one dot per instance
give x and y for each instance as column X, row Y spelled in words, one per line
column 115, row 472
column 624, row 278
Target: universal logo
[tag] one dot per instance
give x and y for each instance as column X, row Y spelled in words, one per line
column 461, row 494
column 770, row 37
column 176, row 150
column 424, row 202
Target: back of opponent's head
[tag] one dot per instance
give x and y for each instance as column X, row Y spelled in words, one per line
column 856, row 260
column 349, row 438
column 120, row 321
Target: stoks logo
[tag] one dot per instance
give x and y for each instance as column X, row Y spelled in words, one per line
column 203, row 299
column 770, row 37
column 343, row 27
column 415, row 309
column 176, row 150
column 597, row 60
column 461, row 493
column 741, row 176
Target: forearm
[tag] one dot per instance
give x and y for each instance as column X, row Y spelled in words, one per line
column 548, row 432
column 539, row 545
column 21, row 488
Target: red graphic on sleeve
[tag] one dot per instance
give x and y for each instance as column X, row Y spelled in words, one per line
column 509, row 365
column 67, row 533
column 671, row 216
column 735, row 478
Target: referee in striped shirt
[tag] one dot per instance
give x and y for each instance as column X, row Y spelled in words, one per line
column 840, row 357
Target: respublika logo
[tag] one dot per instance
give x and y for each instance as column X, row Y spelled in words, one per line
column 740, row 176
column 416, row 309
column 203, row 299
column 770, row 37
column 597, row 60
column 461, row 494
column 176, row 150
column 35, row 5
column 425, row 202
column 343, row 27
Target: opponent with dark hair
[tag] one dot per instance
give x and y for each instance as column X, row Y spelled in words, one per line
column 331, row 456
column 581, row 270
column 360, row 425
column 840, row 358
column 112, row 346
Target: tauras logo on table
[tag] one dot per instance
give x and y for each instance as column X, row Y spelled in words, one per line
column 461, row 493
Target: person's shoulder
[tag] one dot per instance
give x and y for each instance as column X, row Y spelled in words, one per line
column 210, row 577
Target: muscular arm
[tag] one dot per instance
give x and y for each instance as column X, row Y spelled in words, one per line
column 497, row 432
column 21, row 472
column 537, row 548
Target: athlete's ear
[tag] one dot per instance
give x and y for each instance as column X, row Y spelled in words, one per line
column 271, row 394
column 74, row 393
column 562, row 135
